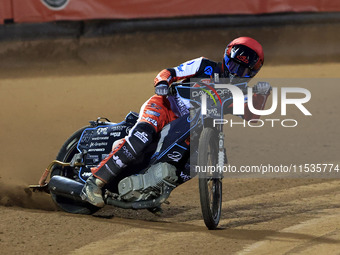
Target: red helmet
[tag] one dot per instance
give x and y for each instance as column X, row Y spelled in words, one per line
column 243, row 57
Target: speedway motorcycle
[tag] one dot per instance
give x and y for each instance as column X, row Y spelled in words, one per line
column 148, row 182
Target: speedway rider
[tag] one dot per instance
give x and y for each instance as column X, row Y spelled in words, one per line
column 243, row 58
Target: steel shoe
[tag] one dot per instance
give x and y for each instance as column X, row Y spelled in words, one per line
column 92, row 191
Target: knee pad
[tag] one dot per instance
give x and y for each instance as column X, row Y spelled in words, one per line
column 136, row 142
column 140, row 137
column 126, row 151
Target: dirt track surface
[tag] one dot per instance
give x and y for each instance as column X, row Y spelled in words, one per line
column 260, row 215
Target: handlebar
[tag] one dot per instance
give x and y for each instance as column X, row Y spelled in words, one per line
column 173, row 92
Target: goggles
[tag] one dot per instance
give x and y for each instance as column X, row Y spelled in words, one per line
column 238, row 69
column 241, row 62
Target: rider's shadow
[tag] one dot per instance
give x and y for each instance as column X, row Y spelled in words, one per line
column 169, row 212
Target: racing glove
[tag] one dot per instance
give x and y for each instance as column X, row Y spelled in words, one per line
column 262, row 88
column 162, row 89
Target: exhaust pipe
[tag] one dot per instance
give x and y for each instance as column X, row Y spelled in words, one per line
column 65, row 187
column 68, row 188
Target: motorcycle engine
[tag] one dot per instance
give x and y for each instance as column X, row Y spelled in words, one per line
column 148, row 185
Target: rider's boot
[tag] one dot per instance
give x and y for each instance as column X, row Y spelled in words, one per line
column 123, row 153
column 92, row 191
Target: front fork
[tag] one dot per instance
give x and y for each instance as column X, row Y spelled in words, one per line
column 221, row 152
column 222, row 155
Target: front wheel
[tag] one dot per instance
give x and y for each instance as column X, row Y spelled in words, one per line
column 210, row 184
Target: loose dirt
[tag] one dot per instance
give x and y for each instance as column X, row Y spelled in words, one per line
column 40, row 107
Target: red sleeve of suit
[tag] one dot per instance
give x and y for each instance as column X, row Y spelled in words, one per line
column 164, row 76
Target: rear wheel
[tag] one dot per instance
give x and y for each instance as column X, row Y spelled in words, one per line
column 210, row 184
column 66, row 153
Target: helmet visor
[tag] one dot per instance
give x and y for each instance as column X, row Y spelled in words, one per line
column 244, row 56
column 241, row 61
column 237, row 69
